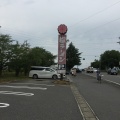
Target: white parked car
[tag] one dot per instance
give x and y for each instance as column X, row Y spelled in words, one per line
column 94, row 70
column 43, row 72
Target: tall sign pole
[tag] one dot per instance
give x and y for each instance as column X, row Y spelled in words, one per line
column 62, row 30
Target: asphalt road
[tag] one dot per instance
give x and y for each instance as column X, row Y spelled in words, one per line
column 37, row 100
column 107, row 77
column 103, row 98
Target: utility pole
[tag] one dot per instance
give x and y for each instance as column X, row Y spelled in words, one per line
column 0, row 46
column 119, row 44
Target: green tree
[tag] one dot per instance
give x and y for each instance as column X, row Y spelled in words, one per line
column 5, row 50
column 110, row 59
column 72, row 56
column 95, row 64
column 18, row 60
column 40, row 57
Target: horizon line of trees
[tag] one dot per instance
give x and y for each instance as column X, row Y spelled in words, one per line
column 108, row 59
column 20, row 57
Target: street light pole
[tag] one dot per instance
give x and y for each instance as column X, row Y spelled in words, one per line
column 0, row 46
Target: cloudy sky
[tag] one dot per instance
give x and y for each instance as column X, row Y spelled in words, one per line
column 93, row 25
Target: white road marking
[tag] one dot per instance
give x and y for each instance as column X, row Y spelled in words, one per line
column 34, row 84
column 112, row 82
column 23, row 87
column 107, row 80
column 16, row 93
column 4, row 105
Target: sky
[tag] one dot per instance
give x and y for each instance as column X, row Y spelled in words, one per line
column 93, row 25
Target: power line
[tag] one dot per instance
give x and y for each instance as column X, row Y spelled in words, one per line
column 29, row 35
column 90, row 15
column 103, row 24
column 90, row 30
column 95, row 14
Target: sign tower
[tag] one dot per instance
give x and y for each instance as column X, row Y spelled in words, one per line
column 62, row 30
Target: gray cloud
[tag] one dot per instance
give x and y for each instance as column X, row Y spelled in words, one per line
column 92, row 25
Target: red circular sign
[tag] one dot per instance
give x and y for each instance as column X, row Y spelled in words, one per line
column 62, row 29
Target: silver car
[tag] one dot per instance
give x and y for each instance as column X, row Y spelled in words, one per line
column 43, row 72
column 112, row 71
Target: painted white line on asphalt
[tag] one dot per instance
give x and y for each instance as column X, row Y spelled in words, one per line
column 106, row 80
column 34, row 84
column 112, row 82
column 16, row 93
column 40, row 88
column 4, row 105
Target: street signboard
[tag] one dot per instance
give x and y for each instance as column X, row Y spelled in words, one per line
column 62, row 29
column 61, row 49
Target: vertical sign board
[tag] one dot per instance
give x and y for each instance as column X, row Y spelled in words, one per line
column 62, row 30
column 61, row 53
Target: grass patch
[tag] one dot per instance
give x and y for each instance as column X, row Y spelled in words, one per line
column 10, row 76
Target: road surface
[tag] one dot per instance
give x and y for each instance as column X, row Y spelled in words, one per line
column 103, row 98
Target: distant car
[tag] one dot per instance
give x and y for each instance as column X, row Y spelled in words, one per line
column 89, row 70
column 78, row 70
column 43, row 72
column 94, row 70
column 112, row 71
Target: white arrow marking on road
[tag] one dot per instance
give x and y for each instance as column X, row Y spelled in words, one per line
column 4, row 105
column 24, row 87
column 16, row 93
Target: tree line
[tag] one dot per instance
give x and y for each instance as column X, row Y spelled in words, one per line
column 108, row 59
column 18, row 57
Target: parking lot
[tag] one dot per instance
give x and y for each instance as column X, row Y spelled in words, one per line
column 37, row 100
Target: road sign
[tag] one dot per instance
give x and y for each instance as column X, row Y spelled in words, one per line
column 62, row 29
column 61, row 49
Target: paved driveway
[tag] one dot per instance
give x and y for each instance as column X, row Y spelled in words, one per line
column 37, row 100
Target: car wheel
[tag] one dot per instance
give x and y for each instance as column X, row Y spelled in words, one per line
column 54, row 77
column 35, row 76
